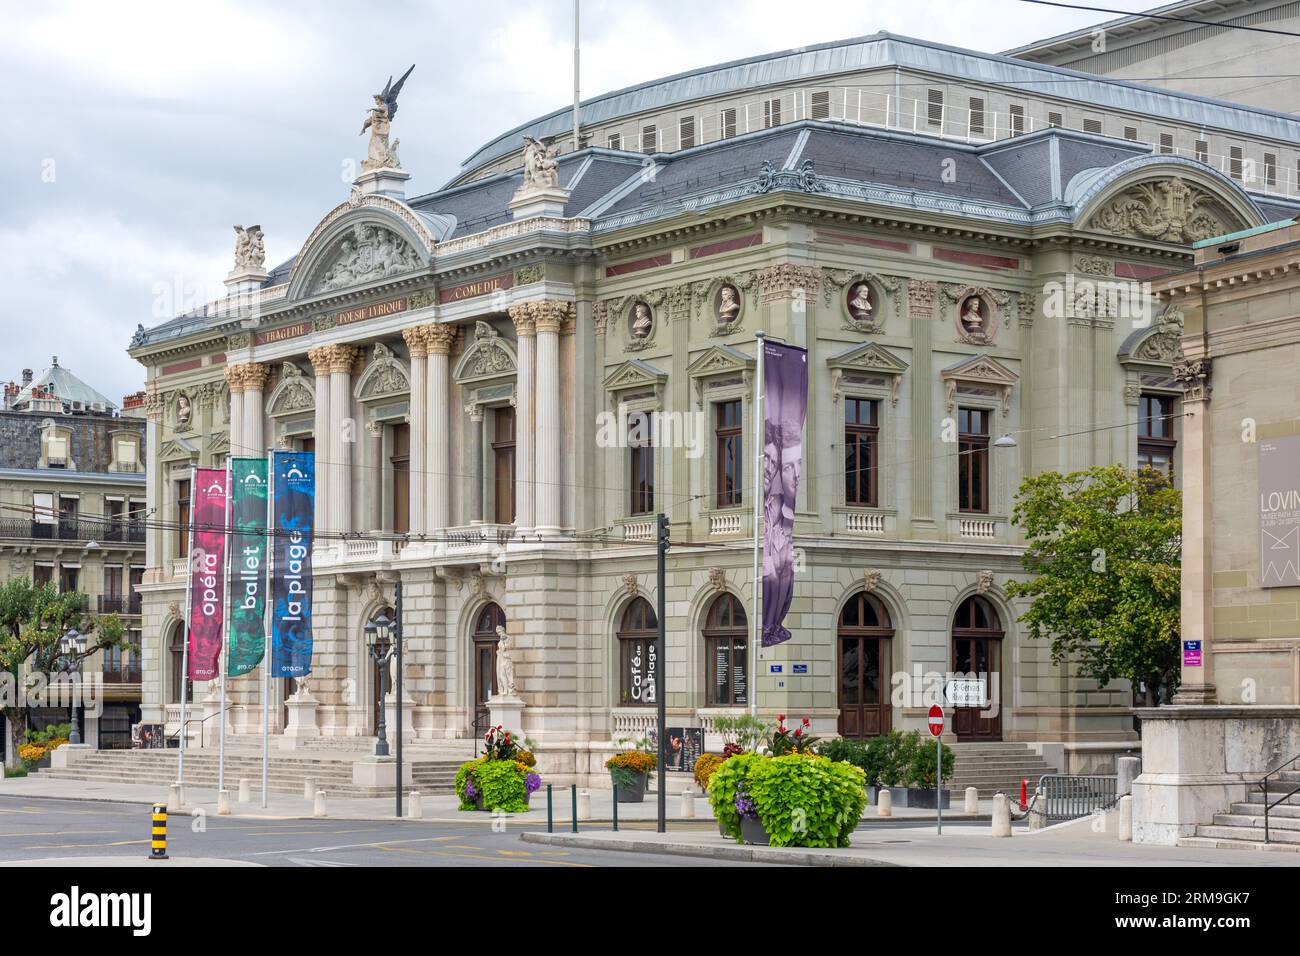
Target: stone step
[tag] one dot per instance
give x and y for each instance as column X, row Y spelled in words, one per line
column 1256, row 820
column 1257, row 809
column 1248, row 833
column 1217, row 843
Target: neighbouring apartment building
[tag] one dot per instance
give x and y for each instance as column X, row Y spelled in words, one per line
column 72, row 500
column 473, row 367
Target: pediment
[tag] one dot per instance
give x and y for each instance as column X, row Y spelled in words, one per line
column 489, row 356
column 634, row 374
column 178, row 449
column 385, row 377
column 1165, row 199
column 1160, row 344
column 868, row 357
column 220, row 444
column 982, row 373
column 719, row 360
column 295, row 393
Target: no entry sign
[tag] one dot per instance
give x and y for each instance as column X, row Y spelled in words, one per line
column 936, row 720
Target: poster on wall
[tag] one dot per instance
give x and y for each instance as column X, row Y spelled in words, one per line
column 207, row 572
column 1279, row 512
column 291, row 583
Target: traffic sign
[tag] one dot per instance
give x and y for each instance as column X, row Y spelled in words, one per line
column 936, row 720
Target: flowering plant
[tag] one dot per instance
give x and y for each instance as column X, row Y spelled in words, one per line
column 704, row 768
column 784, row 741
column 531, row 782
column 495, row 785
column 625, row 767
column 499, row 744
column 744, row 802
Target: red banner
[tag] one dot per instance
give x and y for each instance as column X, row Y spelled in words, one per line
column 207, row 572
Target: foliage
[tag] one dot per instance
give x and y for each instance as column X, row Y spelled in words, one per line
column 1104, row 552
column 705, row 765
column 783, row 741
column 499, row 744
column 920, row 771
column 15, row 772
column 625, row 767
column 895, row 759
column 52, row 732
column 525, row 757
column 730, row 750
column 850, row 751
column 503, row 784
column 800, row 798
column 743, row 730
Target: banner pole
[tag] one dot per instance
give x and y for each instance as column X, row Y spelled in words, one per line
column 225, row 639
column 185, row 645
column 266, row 620
column 752, row 680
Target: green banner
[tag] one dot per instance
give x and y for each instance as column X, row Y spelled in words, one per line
column 248, row 480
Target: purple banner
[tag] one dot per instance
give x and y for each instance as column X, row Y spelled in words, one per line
column 207, row 572
column 785, row 404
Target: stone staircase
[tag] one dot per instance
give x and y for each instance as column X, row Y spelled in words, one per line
column 996, row 768
column 1242, row 826
column 285, row 774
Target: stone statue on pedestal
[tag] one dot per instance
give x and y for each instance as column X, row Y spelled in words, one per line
column 506, row 686
column 379, row 154
column 250, row 253
column 541, row 168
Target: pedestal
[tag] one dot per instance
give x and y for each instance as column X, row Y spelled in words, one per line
column 379, row 773
column 390, row 718
column 1197, row 760
column 386, row 182
column 507, row 713
column 212, row 715
column 549, row 201
column 302, row 720
column 68, row 754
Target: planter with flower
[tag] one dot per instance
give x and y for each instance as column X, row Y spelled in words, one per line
column 787, row 796
column 502, row 779
column 628, row 772
column 705, row 766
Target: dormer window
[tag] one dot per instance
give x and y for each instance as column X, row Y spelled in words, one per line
column 56, row 446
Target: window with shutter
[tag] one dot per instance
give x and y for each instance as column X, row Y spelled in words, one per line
column 976, row 116
column 615, row 141
column 821, row 105
column 1131, row 133
column 728, row 123
column 1166, row 142
column 1092, row 126
column 686, row 132
column 1017, row 120
column 1202, row 151
column 936, row 108
column 1234, row 162
column 1054, row 119
column 649, row 139
column 771, row 113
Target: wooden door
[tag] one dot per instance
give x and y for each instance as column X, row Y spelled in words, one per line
column 863, row 642
column 485, row 663
column 977, row 654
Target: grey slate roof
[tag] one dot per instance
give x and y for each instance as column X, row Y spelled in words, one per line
column 65, row 386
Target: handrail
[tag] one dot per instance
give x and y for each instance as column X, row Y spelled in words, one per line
column 1263, row 784
column 195, row 720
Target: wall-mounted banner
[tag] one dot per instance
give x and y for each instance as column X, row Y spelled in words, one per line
column 248, row 477
column 207, row 572
column 295, row 500
column 1279, row 512
column 785, row 404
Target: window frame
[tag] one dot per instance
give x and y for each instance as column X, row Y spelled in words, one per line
column 974, row 464
column 1148, row 443
column 723, row 436
column 857, row 434
column 628, row 637
column 714, row 633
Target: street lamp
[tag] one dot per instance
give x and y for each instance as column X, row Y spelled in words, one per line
column 73, row 645
column 1006, row 441
column 379, row 642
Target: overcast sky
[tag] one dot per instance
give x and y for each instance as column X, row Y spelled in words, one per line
column 138, row 133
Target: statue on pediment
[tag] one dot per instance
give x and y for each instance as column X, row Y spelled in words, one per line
column 250, row 251
column 379, row 153
column 541, row 168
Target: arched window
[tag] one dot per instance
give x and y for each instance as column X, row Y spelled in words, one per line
column 485, row 661
column 176, row 658
column 864, row 639
column 977, row 662
column 638, row 667
column 726, row 644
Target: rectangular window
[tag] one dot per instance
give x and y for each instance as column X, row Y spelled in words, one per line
column 111, row 600
column 1156, row 433
column 1055, row 119
column 728, row 450
column 771, row 113
column 861, row 451
column 43, row 507
column 821, row 105
column 973, row 460
column 686, row 132
column 1234, row 162
column 727, row 124
column 400, row 463
column 642, row 453
column 976, row 116
column 1131, row 133
column 935, row 112
column 1202, row 151
column 68, row 578
column 1166, row 143
column 614, row 141
column 183, row 518
column 1270, row 169
column 649, row 139
column 1092, row 126
column 1017, row 120
column 42, row 574
column 503, row 457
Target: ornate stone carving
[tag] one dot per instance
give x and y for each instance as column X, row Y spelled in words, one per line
column 857, row 291
column 1132, row 393
column 527, row 274
column 1026, row 309
column 506, row 686
column 1168, row 210
column 379, row 154
column 804, row 178
column 238, row 340
column 1165, row 344
column 642, row 326
column 974, row 312
column 630, row 585
column 600, row 317
column 367, row 253
column 184, row 410
column 140, row 335
column 870, row 579
column 984, row 581
column 549, row 314
column 421, row 299
column 521, row 314
column 981, row 371
column 486, row 357
column 718, row 578
column 541, row 168
column 438, row 338
column 1194, row 376
column 414, row 338
column 385, row 376
column 1093, row 266
column 787, row 280
column 920, row 298
column 250, row 251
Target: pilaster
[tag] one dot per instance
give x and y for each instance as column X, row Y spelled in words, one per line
column 417, row 411
column 526, row 335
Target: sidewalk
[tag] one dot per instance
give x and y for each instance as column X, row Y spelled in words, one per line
column 440, row 807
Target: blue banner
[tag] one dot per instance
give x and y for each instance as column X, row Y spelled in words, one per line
column 294, row 504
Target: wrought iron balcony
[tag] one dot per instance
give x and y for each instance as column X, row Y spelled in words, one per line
column 104, row 531
column 119, row 604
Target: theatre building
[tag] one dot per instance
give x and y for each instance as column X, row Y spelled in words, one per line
column 506, row 379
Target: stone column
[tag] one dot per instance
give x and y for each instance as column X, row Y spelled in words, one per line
column 526, row 332
column 342, row 437
column 547, row 317
column 374, row 482
column 254, row 378
column 437, row 466
column 319, row 358
column 477, row 466
column 415, row 343
column 1197, row 685
column 235, row 379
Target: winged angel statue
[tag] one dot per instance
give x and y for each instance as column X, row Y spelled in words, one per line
column 379, row 154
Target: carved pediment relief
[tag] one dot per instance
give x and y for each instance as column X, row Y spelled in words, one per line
column 385, row 377
column 636, row 374
column 1168, row 210
column 868, row 357
column 220, row 444
column 366, row 253
column 178, row 449
column 979, row 371
column 295, row 392
column 718, row 360
column 1161, row 344
column 489, row 356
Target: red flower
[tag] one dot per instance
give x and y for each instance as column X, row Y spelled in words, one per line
column 798, row 732
column 805, row 722
column 780, row 717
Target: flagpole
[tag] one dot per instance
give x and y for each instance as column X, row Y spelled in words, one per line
column 752, row 688
column 267, row 615
column 225, row 641
column 185, row 645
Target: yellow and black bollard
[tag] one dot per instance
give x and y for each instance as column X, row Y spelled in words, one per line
column 158, row 842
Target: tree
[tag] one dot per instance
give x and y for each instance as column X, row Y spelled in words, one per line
column 33, row 620
column 1104, row 549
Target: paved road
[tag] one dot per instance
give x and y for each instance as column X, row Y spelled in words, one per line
column 33, row 828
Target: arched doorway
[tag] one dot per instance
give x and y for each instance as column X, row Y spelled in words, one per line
column 485, row 662
column 638, row 670
column 176, row 660
column 864, row 638
column 977, row 654
column 726, row 644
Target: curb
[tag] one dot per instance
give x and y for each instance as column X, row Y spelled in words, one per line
column 739, row 853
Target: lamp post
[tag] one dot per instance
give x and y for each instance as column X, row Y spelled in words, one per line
column 379, row 641
column 73, row 645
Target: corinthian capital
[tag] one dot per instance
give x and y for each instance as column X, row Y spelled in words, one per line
column 235, row 378
column 414, row 337
column 438, row 338
column 254, row 375
column 550, row 314
column 785, row 280
column 522, row 316
column 1194, row 376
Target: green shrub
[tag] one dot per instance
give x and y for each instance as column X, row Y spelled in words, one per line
column 921, row 769
column 801, row 799
column 502, row 783
column 895, row 759
column 722, row 790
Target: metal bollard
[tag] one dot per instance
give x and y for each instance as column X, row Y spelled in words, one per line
column 573, row 794
column 245, row 790
column 415, row 807
column 158, row 833
column 615, row 808
column 223, row 803
column 319, row 808
column 688, row 804
column 884, row 803
column 550, row 815
column 308, row 788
